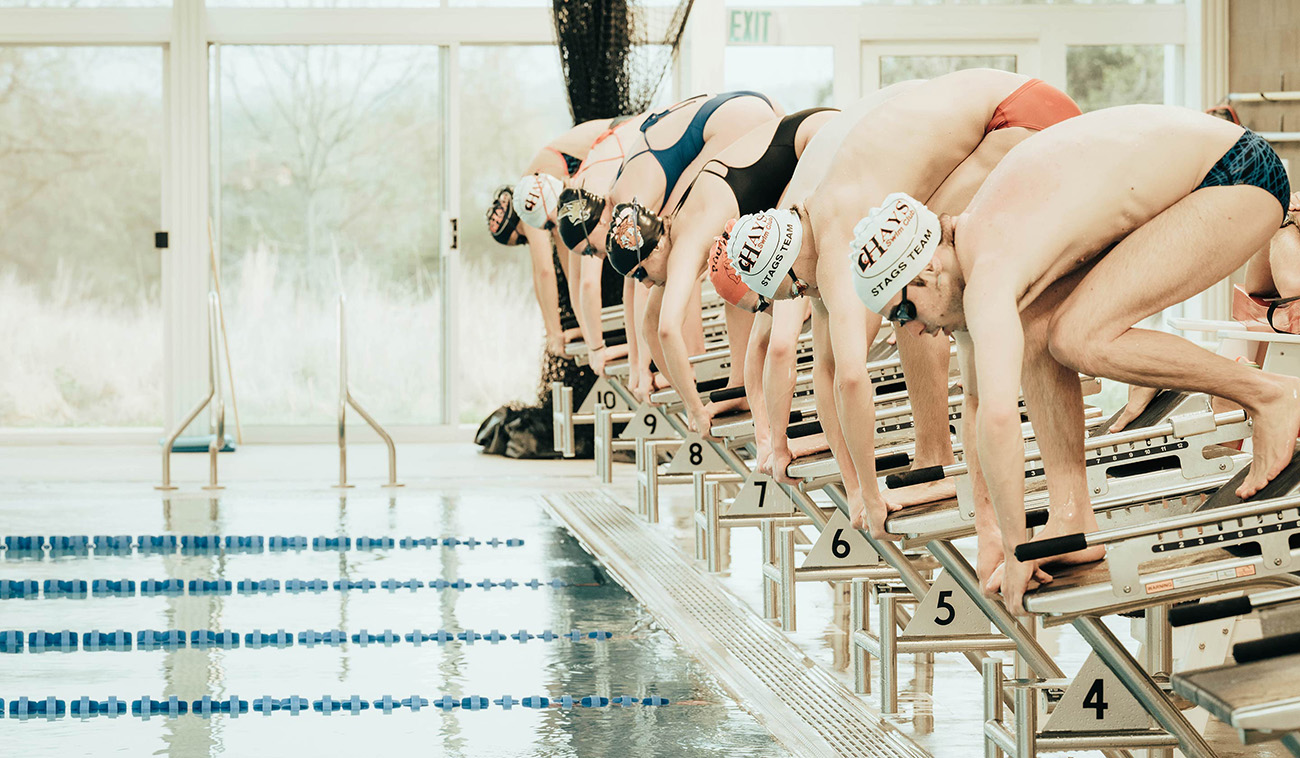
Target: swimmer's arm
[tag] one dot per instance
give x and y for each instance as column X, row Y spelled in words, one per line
column 779, row 374
column 970, row 449
column 824, row 391
column 852, row 329
column 993, row 320
column 574, row 281
column 652, row 299
column 755, row 357
column 544, row 288
column 589, row 304
column 675, row 299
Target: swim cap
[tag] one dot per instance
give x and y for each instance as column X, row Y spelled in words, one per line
column 501, row 216
column 763, row 247
column 579, row 213
column 890, row 247
column 634, row 233
column 537, row 196
column 725, row 280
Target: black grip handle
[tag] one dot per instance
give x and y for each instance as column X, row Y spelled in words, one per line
column 729, row 393
column 893, row 460
column 1195, row 613
column 805, row 429
column 1053, row 546
column 916, row 476
column 1269, row 647
column 1035, row 519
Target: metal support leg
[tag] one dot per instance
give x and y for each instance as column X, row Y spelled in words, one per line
column 888, row 601
column 770, row 587
column 1158, row 653
column 698, row 480
column 642, row 456
column 652, row 483
column 1113, row 654
column 604, row 444
column 993, row 683
column 858, row 621
column 785, row 557
column 712, row 532
column 1026, row 713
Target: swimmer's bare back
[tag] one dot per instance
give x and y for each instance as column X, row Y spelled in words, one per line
column 1114, row 170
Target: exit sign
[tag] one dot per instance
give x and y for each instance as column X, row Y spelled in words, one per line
column 749, row 27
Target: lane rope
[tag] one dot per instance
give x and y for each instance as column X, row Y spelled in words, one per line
column 80, row 589
column 18, row 547
column 40, row 641
column 51, row 708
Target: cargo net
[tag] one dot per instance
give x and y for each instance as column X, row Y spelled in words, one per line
column 615, row 53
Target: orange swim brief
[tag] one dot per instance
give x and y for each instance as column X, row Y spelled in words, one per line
column 1034, row 105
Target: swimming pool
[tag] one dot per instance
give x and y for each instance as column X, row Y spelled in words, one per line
column 437, row 632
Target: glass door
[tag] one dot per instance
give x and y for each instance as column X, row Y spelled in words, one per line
column 81, row 145
column 328, row 165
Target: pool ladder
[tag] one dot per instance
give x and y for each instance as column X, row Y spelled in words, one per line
column 346, row 399
column 214, row 401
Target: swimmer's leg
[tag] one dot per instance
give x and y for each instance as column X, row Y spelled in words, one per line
column 925, row 360
column 1183, row 251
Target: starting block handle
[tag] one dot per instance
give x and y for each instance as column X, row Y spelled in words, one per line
column 1269, row 647
column 728, row 393
column 916, row 476
column 1184, row 615
column 1053, row 546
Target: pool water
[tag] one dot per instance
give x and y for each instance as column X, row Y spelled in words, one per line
column 638, row 660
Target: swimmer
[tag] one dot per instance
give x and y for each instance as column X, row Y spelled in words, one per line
column 940, row 139
column 691, row 133
column 746, row 177
column 1079, row 233
column 560, row 158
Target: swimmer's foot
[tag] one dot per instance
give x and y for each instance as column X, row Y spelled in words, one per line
column 989, row 556
column 1138, row 400
column 1013, row 580
column 1276, row 424
column 929, row 492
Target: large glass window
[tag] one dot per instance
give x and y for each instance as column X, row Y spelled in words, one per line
column 900, row 68
column 1103, row 76
column 501, row 329
column 81, row 141
column 330, row 167
column 797, row 77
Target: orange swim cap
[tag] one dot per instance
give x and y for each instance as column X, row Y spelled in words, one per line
column 725, row 279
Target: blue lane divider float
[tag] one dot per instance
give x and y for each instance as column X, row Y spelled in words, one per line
column 80, row 588
column 51, row 708
column 41, row 641
column 16, row 546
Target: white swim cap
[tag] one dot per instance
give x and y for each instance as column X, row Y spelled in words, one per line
column 890, row 247
column 536, row 198
column 763, row 247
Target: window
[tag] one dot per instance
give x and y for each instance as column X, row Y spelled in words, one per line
column 331, row 168
column 1103, row 76
column 81, row 142
column 797, row 77
column 900, row 68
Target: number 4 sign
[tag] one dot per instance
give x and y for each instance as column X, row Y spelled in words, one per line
column 1097, row 701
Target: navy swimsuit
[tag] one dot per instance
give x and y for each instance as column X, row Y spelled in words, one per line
column 1251, row 161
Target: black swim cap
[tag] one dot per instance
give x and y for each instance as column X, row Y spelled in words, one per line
column 634, row 233
column 579, row 213
column 501, row 216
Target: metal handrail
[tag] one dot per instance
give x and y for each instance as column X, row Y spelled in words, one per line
column 346, row 399
column 217, row 422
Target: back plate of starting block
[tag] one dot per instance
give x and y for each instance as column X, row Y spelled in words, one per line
column 947, row 611
column 603, row 395
column 648, row 423
column 1097, row 701
column 695, row 455
column 761, row 496
column 840, row 545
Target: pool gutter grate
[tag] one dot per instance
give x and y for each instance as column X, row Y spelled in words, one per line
column 806, row 709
